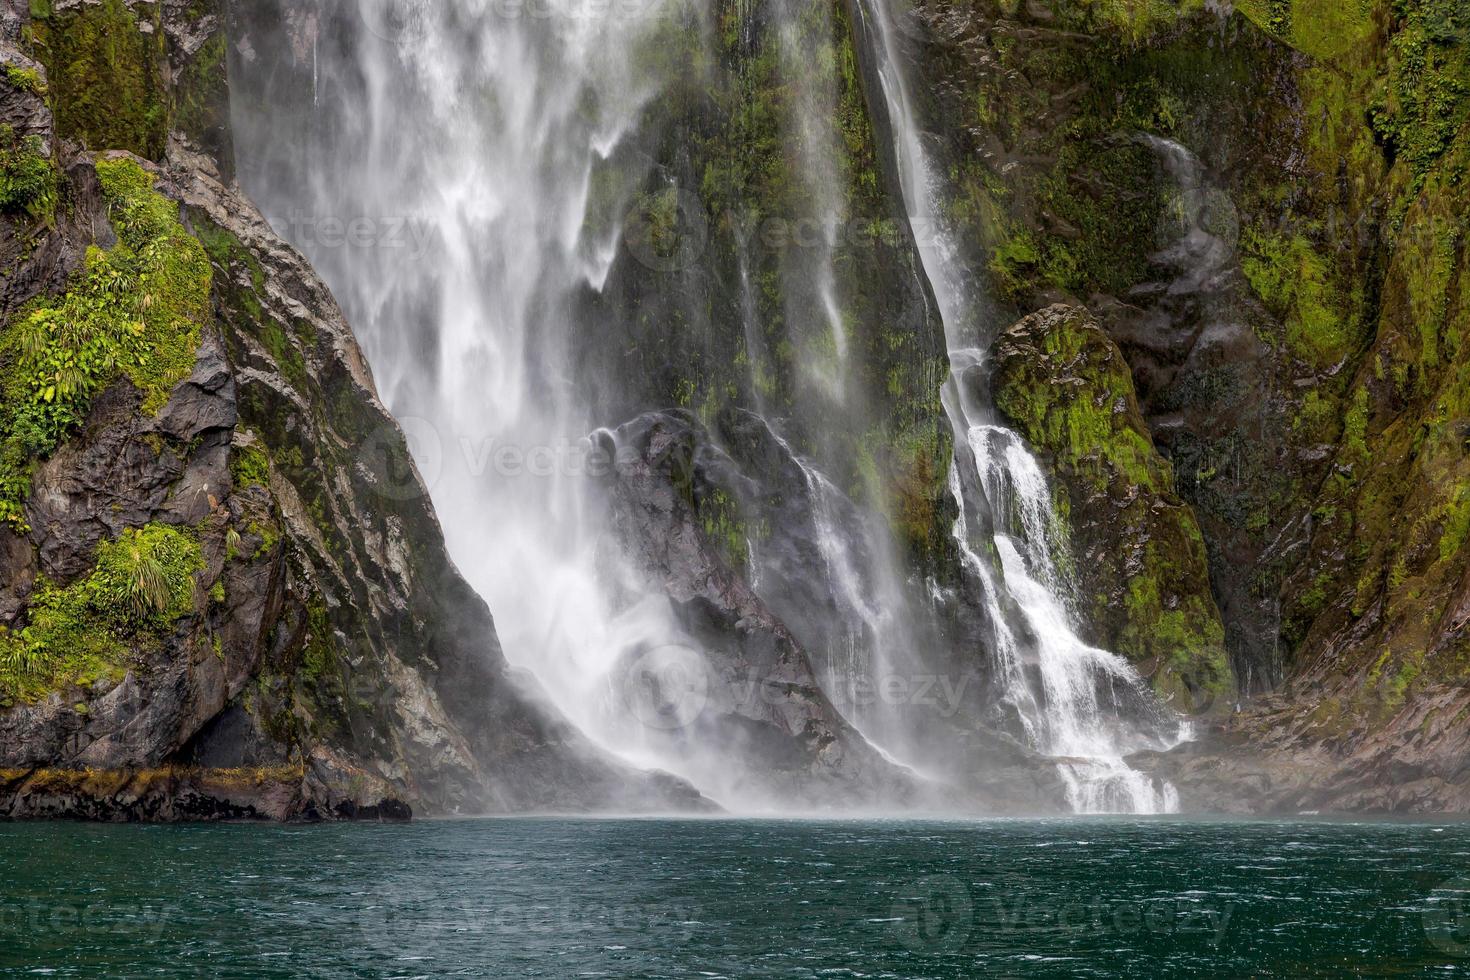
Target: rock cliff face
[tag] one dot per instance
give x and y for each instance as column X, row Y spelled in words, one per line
column 225, row 590
column 1254, row 201
column 762, row 689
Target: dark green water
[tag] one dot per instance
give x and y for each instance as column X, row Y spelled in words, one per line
column 666, row 898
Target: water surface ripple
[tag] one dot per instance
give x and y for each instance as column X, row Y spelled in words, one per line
column 738, row 898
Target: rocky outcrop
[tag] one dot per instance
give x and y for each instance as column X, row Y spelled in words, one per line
column 760, row 690
column 1136, row 553
column 789, row 282
column 679, row 500
column 227, row 595
column 1288, row 755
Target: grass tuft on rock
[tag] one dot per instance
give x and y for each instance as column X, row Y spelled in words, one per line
column 27, row 176
column 86, row 631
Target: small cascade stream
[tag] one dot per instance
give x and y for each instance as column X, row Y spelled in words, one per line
column 1064, row 691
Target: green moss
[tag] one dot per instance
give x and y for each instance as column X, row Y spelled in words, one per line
column 719, row 516
column 201, row 104
column 1355, row 426
column 135, row 311
column 1011, row 263
column 1065, row 386
column 1083, row 424
column 1424, row 98
column 324, row 677
column 268, row 534
column 249, row 466
column 1395, row 688
column 319, row 660
column 1456, row 525
column 918, row 473
column 1187, row 641
column 28, row 181
column 1298, row 285
column 107, row 75
column 142, row 584
column 283, row 351
column 1134, row 21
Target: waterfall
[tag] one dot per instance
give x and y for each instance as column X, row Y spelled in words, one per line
column 1060, row 698
column 463, row 176
column 473, row 130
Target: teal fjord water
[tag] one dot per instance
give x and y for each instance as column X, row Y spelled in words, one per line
column 738, row 898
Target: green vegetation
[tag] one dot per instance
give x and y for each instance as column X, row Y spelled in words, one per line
column 1424, row 99
column 771, row 121
column 918, row 478
column 1082, row 424
column 142, row 584
column 719, row 516
column 249, row 466
column 1068, row 390
column 135, row 311
column 106, row 75
column 201, row 95
column 1386, row 88
column 27, row 176
column 1297, row 284
column 1137, row 20
column 25, row 79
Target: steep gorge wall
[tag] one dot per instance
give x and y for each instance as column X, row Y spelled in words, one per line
column 1260, row 208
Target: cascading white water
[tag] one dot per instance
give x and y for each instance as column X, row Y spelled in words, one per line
column 479, row 126
column 480, row 129
column 505, row 141
column 1059, row 709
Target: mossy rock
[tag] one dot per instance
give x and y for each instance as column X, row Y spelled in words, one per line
column 93, row 628
column 108, row 76
column 1138, row 555
column 135, row 311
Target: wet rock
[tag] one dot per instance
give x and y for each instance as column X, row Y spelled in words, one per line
column 1136, row 552
column 762, row 693
column 667, row 477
